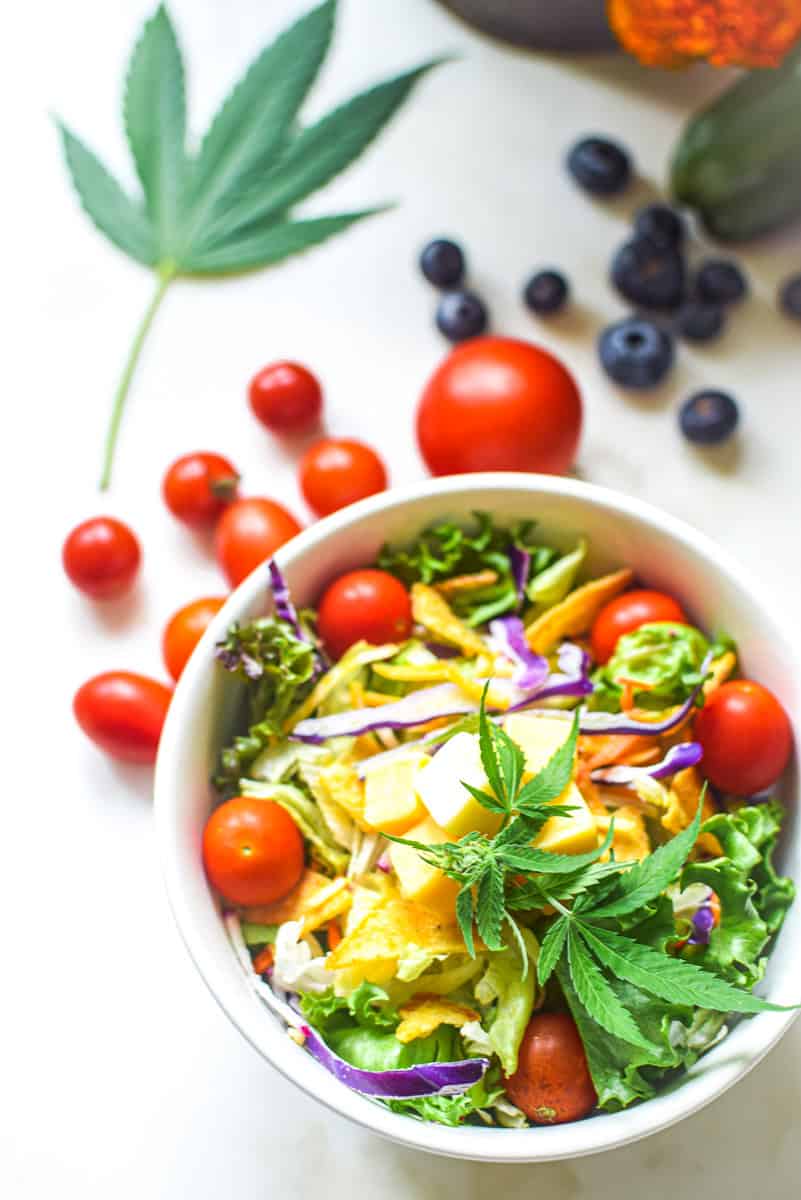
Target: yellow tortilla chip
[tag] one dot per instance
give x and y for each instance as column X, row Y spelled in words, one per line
column 331, row 902
column 432, row 610
column 292, row 907
column 443, row 672
column 390, row 930
column 683, row 796
column 576, row 613
column 342, row 786
column 423, row 1014
column 467, row 583
column 719, row 671
column 631, row 838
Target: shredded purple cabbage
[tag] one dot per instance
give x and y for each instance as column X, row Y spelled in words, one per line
column 509, row 636
column 573, row 676
column 427, row 1079
column 520, row 563
column 703, row 922
column 427, row 704
column 284, row 608
column 678, row 758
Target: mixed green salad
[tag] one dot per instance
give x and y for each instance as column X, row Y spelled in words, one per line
column 495, row 839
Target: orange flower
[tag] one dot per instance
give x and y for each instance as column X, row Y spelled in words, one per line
column 727, row 33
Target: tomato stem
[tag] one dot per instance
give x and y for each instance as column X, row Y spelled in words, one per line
column 166, row 274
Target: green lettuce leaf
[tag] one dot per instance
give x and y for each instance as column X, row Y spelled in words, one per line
column 277, row 669
column 447, row 549
column 665, row 657
column 368, row 1007
column 454, row 1110
column 551, row 585
column 374, row 1050
column 308, row 818
column 504, row 986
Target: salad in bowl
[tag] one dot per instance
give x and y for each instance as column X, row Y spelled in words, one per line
column 494, row 829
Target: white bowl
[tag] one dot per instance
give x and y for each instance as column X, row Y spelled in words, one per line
column 665, row 554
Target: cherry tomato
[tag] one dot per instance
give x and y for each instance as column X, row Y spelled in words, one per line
column 101, row 557
column 184, row 630
column 123, row 714
column 249, row 532
column 746, row 736
column 628, row 612
column 197, row 487
column 286, row 397
column 252, row 851
column 499, row 404
column 367, row 604
column 338, row 471
column 552, row 1083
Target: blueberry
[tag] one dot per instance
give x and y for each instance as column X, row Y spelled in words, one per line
column 546, row 292
column 636, row 353
column 599, row 166
column 708, row 418
column 720, row 282
column 790, row 297
column 660, row 224
column 648, row 275
column 461, row 315
column 699, row 322
column 442, row 263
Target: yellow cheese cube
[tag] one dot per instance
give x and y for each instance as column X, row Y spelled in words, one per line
column 539, row 738
column 418, row 880
column 440, row 785
column 391, row 803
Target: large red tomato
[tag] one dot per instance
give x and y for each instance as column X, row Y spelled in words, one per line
column 746, row 736
column 552, row 1083
column 499, row 404
column 628, row 612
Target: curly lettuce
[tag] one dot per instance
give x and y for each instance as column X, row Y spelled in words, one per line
column 508, row 991
column 664, row 658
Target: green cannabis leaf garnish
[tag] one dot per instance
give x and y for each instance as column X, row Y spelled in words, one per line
column 226, row 208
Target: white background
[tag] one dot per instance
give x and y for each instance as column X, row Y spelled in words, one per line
column 119, row 1074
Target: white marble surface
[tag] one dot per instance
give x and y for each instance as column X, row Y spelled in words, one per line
column 120, row 1074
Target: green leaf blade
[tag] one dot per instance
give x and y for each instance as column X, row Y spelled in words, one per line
column 154, row 110
column 490, row 907
column 317, row 155
column 464, row 915
column 648, row 879
column 254, row 122
column 596, row 995
column 266, row 247
column 551, row 949
column 672, row 979
column 110, row 209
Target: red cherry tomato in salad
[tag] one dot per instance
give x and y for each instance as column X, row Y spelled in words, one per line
column 746, row 736
column 368, row 604
column 249, row 532
column 499, row 404
column 552, row 1083
column 628, row 612
column 101, row 557
column 184, row 630
column 286, row 397
column 197, row 487
column 123, row 713
column 252, row 851
column 335, row 472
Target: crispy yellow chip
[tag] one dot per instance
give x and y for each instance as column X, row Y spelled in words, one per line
column 331, row 902
column 719, row 671
column 341, row 785
column 430, row 672
column 576, row 613
column 683, row 796
column 292, row 907
column 467, row 583
column 631, row 838
column 423, row 1014
column 433, row 611
column 390, row 930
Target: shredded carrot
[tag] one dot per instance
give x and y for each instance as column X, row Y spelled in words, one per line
column 614, row 748
column 334, row 934
column 263, row 960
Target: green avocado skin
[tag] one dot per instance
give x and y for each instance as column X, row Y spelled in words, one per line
column 738, row 163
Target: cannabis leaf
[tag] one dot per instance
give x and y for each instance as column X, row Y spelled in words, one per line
column 583, row 942
column 226, row 208
column 487, row 867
